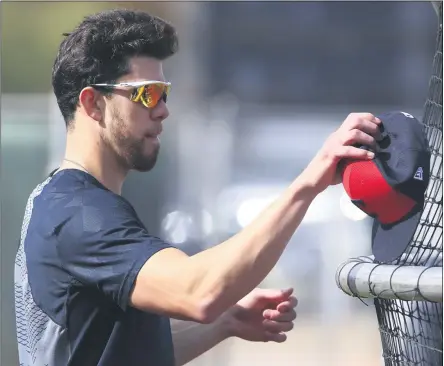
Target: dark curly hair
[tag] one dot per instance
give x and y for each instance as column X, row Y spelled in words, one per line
column 99, row 49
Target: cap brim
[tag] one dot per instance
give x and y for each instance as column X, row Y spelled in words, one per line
column 390, row 242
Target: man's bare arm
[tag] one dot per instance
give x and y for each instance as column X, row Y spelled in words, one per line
column 203, row 286
column 192, row 339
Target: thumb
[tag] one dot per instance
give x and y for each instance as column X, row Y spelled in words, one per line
column 275, row 294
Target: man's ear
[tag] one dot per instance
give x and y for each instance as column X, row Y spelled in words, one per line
column 92, row 103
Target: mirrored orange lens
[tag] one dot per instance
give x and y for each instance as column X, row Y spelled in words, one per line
column 153, row 93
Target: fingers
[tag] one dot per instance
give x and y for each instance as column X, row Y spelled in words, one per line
column 357, row 137
column 276, row 326
column 275, row 337
column 369, row 127
column 272, row 295
column 363, row 128
column 284, row 311
column 279, row 320
column 362, row 121
column 357, row 129
column 275, row 331
column 285, row 306
column 351, row 152
column 360, row 128
column 276, row 316
column 281, row 308
column 287, row 292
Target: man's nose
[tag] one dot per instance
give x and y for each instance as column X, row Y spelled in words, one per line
column 160, row 111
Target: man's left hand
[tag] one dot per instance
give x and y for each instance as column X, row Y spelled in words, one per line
column 263, row 315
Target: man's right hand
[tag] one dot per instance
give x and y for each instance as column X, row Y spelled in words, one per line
column 357, row 129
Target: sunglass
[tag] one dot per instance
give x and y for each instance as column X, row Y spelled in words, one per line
column 149, row 93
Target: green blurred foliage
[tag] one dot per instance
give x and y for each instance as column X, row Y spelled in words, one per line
column 32, row 31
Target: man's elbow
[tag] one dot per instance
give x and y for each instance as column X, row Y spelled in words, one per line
column 208, row 310
column 204, row 315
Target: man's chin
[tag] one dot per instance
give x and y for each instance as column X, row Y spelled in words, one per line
column 143, row 169
column 145, row 165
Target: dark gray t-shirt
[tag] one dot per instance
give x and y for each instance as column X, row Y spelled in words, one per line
column 80, row 251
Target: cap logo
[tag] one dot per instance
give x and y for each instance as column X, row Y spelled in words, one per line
column 408, row 115
column 418, row 174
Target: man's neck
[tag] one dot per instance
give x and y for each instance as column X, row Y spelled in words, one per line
column 97, row 162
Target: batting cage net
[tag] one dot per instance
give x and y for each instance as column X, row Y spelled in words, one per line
column 408, row 292
column 411, row 331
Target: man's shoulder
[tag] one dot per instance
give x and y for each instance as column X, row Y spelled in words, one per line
column 73, row 190
column 74, row 202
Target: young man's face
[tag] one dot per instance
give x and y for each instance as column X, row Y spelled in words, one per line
column 132, row 129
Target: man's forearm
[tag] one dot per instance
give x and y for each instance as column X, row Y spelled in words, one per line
column 227, row 272
column 204, row 286
column 192, row 339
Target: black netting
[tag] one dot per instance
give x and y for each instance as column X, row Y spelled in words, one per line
column 411, row 332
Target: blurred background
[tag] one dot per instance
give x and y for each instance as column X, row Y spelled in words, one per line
column 257, row 88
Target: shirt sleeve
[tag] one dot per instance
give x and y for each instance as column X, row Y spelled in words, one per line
column 103, row 244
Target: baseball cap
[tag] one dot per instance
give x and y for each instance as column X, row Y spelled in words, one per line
column 391, row 187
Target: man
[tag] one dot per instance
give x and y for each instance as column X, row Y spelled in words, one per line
column 93, row 287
